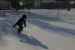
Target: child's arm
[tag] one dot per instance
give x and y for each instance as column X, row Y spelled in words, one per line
column 25, row 22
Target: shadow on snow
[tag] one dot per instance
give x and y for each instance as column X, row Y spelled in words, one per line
column 31, row 40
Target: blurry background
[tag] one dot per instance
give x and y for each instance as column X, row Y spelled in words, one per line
column 36, row 4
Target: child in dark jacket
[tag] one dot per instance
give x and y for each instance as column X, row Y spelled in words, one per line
column 20, row 23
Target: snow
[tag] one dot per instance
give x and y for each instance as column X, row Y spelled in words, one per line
column 43, row 31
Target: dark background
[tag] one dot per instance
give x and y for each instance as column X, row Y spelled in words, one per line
column 37, row 4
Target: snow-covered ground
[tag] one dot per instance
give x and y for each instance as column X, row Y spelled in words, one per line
column 43, row 31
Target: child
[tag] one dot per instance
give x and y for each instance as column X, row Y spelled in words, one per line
column 20, row 23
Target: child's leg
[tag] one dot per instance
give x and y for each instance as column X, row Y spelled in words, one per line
column 25, row 23
column 20, row 28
